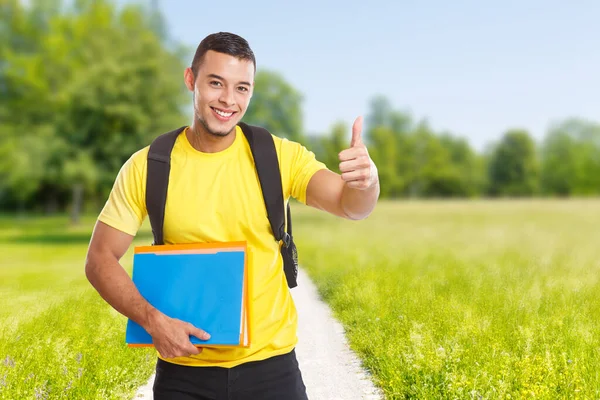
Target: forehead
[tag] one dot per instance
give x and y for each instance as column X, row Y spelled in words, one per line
column 229, row 67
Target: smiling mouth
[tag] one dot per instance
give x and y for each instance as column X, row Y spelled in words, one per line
column 223, row 114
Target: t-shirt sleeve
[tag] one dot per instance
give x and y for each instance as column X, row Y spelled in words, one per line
column 125, row 208
column 298, row 166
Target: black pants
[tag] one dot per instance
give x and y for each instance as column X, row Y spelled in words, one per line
column 275, row 378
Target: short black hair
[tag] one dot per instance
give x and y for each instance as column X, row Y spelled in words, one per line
column 223, row 42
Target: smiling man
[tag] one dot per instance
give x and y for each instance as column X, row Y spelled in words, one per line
column 214, row 196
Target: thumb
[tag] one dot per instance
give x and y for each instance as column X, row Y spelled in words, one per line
column 357, row 132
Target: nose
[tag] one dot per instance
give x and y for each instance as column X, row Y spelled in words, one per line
column 226, row 97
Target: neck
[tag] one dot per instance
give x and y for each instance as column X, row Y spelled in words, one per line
column 206, row 142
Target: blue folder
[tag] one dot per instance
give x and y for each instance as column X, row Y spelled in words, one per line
column 207, row 290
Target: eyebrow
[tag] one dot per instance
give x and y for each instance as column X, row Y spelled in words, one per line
column 223, row 79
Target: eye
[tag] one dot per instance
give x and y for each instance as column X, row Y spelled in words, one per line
column 215, row 83
column 243, row 89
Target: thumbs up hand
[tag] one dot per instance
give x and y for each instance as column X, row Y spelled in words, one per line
column 358, row 170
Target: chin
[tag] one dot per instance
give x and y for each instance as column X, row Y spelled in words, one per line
column 218, row 129
column 221, row 132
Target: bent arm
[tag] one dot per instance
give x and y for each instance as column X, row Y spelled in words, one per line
column 109, row 278
column 329, row 192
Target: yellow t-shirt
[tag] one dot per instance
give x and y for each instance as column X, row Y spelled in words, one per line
column 216, row 197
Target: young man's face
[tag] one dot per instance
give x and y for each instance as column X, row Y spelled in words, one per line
column 222, row 90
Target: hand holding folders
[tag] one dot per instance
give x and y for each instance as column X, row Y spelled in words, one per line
column 171, row 336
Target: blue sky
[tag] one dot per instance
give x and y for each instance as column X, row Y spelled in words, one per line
column 470, row 67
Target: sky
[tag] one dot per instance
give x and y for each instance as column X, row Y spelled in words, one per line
column 471, row 68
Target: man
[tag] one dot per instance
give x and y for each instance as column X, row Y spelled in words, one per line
column 215, row 196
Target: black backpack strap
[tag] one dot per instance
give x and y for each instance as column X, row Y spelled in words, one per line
column 157, row 180
column 267, row 167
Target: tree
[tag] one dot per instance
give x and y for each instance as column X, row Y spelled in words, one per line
column 331, row 145
column 560, row 170
column 432, row 172
column 513, row 169
column 22, row 155
column 387, row 136
column 415, row 161
column 381, row 114
column 276, row 105
column 99, row 83
column 467, row 166
column 570, row 157
column 384, row 151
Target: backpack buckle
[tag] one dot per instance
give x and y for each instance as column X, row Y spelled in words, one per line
column 287, row 239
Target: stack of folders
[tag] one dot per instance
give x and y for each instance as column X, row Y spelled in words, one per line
column 205, row 284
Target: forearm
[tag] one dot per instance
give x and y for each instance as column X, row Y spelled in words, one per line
column 358, row 204
column 115, row 286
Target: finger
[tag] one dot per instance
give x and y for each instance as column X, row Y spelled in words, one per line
column 184, row 351
column 361, row 174
column 355, row 164
column 352, row 153
column 361, row 184
column 199, row 333
column 193, row 350
column 357, row 132
column 165, row 349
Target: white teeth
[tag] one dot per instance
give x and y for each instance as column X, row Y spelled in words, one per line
column 223, row 114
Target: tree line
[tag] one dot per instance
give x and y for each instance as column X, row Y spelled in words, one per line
column 84, row 84
column 415, row 161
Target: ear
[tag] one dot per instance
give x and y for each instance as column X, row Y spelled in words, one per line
column 189, row 79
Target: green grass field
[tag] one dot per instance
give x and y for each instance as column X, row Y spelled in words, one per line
column 450, row 300
column 58, row 339
column 461, row 300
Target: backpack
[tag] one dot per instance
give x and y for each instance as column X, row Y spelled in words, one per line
column 267, row 167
